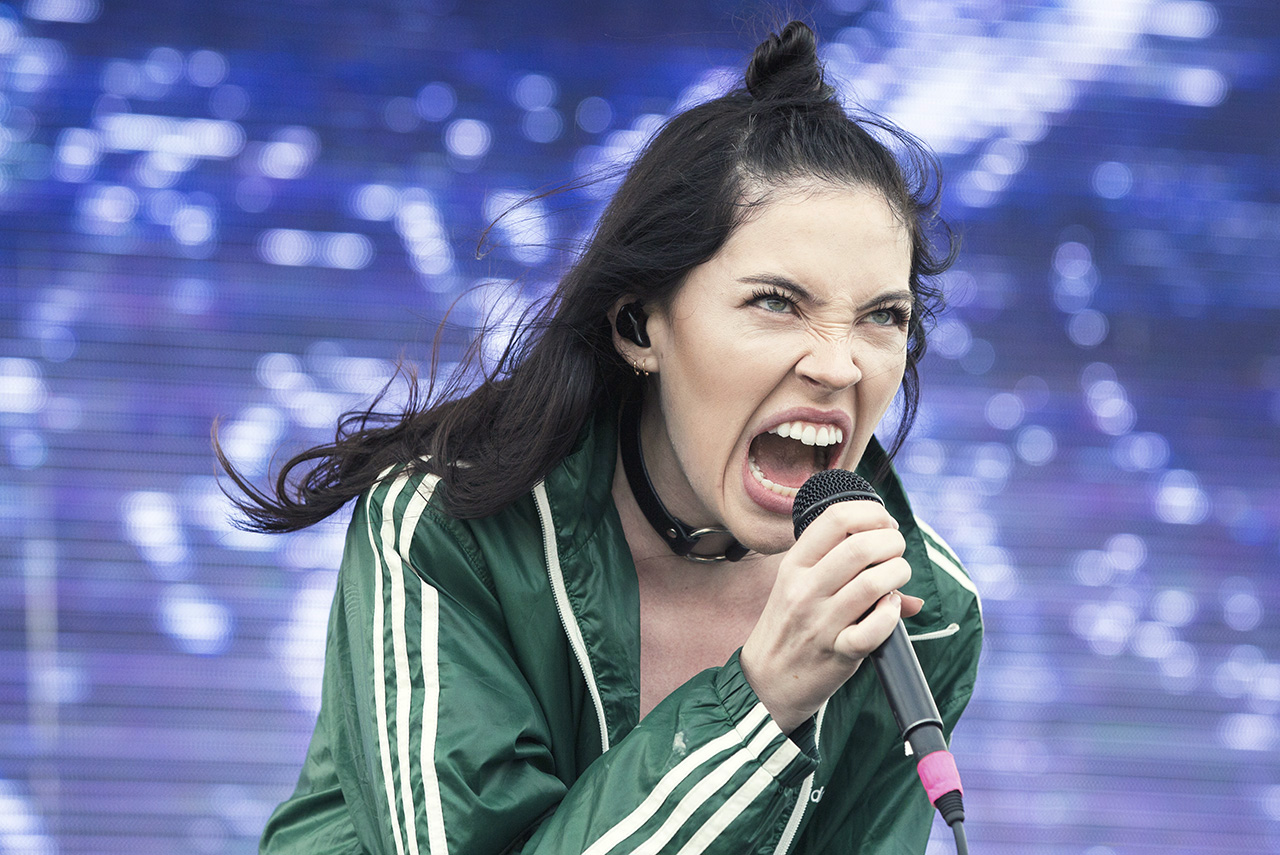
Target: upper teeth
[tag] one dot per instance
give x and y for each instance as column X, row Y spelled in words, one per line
column 810, row 434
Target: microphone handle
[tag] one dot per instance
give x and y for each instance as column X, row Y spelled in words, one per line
column 908, row 692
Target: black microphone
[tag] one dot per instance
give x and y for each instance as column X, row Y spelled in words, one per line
column 895, row 660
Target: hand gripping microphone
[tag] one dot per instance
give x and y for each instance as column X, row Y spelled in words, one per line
column 895, row 663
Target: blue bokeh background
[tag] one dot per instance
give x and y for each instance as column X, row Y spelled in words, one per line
column 251, row 210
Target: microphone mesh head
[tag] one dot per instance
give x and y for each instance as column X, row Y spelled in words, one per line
column 825, row 488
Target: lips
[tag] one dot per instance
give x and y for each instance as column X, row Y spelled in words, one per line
column 782, row 458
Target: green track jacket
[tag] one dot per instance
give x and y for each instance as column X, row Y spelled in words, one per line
column 481, row 696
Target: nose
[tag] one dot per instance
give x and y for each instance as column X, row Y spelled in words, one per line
column 830, row 365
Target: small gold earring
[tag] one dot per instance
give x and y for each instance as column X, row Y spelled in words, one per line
column 638, row 370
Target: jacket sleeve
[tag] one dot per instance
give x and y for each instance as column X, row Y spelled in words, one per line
column 439, row 744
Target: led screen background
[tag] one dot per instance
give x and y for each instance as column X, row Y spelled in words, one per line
column 252, row 210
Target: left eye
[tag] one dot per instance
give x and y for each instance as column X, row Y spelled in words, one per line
column 774, row 304
column 889, row 317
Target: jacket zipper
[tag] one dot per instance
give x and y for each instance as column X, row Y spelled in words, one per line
column 568, row 620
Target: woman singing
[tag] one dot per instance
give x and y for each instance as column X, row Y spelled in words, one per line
column 572, row 616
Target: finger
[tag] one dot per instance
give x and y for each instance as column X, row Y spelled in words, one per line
column 835, row 524
column 854, row 555
column 860, row 594
column 911, row 606
column 857, row 640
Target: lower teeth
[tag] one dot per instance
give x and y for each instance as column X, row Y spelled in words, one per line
column 780, row 489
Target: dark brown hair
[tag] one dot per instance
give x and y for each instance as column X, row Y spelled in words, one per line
column 693, row 184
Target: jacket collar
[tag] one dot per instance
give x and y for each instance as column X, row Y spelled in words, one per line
column 600, row 577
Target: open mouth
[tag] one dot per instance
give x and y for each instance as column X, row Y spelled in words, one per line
column 783, row 458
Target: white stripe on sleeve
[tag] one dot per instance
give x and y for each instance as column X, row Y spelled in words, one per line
column 668, row 783
column 379, row 668
column 429, row 654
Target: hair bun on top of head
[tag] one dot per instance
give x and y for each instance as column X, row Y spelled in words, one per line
column 785, row 66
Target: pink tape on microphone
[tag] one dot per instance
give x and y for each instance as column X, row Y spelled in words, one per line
column 939, row 775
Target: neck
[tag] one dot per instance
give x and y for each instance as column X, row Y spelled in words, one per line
column 693, row 543
column 653, row 557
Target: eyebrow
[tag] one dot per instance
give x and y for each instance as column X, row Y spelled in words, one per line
column 800, row 291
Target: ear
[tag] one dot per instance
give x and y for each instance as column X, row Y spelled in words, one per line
column 628, row 321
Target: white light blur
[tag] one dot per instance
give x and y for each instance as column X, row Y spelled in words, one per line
column 1004, row 411
column 1112, row 180
column 63, row 11
column 1072, row 260
column 400, row 114
column 22, row 829
column 288, row 247
column 498, row 306
column 280, row 371
column 299, row 644
column 27, row 449
column 1092, row 568
column 107, row 210
column 468, row 138
column 375, row 202
column 215, row 139
column 543, row 125
column 1024, row 678
column 22, row 387
column 194, row 225
column 1180, row 500
column 1236, row 674
column 210, row 508
column 250, row 440
column 925, row 456
column 594, row 114
column 993, row 572
column 1174, row 607
column 1178, row 667
column 980, row 357
column 195, row 621
column 345, row 250
column 206, row 68
column 435, row 102
column 951, row 338
column 1249, row 732
column 163, row 65
column 422, row 231
column 315, row 548
column 1109, row 403
column 1036, row 445
column 534, row 92
column 153, row 525
column 356, row 374
column 228, row 102
column 713, row 83
column 289, row 154
column 191, row 296
column 1153, row 640
column 1183, row 19
column 1241, row 608
column 1141, row 452
column 1264, row 694
column 1198, row 87
column 522, row 224
column 1106, row 627
column 76, row 154
column 1126, row 553
column 1072, row 294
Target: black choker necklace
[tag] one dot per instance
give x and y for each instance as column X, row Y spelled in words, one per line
column 680, row 537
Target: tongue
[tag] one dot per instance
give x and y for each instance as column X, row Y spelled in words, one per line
column 784, row 461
